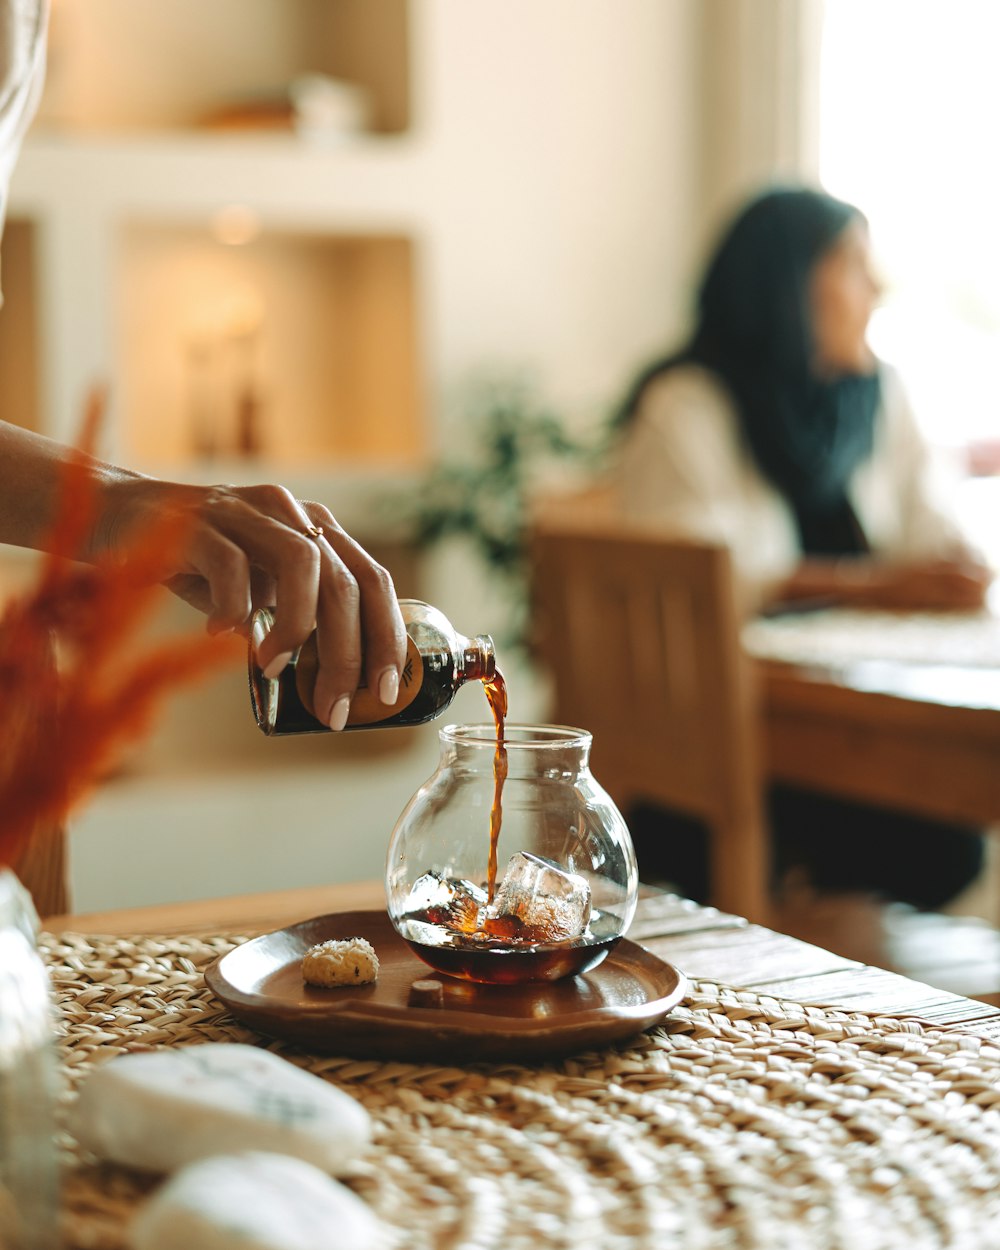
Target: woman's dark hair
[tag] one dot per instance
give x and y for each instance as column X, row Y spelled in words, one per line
column 754, row 331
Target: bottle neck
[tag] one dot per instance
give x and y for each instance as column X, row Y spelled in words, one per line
column 479, row 661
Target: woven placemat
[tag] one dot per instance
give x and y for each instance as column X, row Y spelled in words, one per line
column 742, row 1121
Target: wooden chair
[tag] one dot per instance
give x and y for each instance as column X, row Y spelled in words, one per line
column 42, row 866
column 641, row 634
column 42, row 870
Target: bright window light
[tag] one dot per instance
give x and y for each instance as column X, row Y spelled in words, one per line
column 910, row 102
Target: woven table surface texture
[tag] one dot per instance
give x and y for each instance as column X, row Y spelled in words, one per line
column 741, row 1121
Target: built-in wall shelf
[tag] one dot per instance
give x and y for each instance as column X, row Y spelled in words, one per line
column 290, row 348
column 245, row 278
column 245, row 298
column 128, row 65
column 286, row 180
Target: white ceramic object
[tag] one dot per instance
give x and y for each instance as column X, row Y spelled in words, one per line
column 162, row 1109
column 254, row 1201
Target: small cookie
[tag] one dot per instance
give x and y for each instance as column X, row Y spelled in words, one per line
column 351, row 962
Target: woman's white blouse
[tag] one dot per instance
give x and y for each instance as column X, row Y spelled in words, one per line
column 684, row 465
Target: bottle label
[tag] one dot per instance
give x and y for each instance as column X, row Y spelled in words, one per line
column 366, row 707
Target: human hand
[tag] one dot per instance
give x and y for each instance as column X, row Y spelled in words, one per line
column 246, row 547
column 939, row 585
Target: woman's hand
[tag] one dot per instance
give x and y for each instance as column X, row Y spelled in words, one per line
column 959, row 584
column 238, row 548
column 941, row 585
column 253, row 546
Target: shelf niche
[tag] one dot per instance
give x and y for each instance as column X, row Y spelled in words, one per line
column 132, row 65
column 319, row 331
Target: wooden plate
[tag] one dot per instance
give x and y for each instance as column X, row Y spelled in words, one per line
column 261, row 984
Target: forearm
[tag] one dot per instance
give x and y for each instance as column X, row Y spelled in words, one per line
column 837, row 580
column 31, row 474
column 937, row 585
column 227, row 550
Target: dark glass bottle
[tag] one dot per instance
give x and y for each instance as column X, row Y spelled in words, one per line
column 438, row 663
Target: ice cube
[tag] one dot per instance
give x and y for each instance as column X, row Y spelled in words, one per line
column 539, row 901
column 446, row 901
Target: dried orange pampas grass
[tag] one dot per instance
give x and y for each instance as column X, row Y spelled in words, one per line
column 64, row 723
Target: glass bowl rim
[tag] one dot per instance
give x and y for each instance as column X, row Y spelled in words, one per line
column 518, row 736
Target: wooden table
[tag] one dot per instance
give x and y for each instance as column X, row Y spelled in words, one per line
column 920, row 736
column 666, row 1134
column 704, row 943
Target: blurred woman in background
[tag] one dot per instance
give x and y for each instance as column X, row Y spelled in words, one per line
column 777, row 432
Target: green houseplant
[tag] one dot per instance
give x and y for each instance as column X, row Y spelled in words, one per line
column 512, row 444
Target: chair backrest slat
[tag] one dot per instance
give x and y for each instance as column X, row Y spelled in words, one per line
column 641, row 633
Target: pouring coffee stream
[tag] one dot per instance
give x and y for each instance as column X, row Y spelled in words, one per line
column 496, row 697
column 534, row 925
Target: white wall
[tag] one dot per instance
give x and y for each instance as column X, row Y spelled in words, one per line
column 560, row 144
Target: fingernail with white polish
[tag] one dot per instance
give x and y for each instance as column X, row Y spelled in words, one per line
column 277, row 665
column 338, row 717
column 388, row 686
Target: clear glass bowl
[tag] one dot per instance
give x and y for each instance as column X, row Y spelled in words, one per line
column 565, row 883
